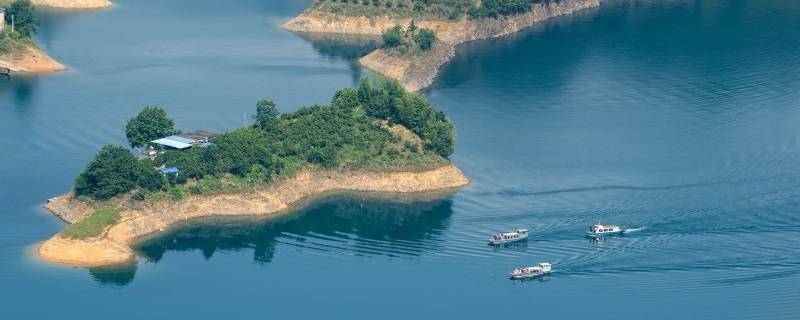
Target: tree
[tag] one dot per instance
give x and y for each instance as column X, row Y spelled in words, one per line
column 393, row 37
column 150, row 124
column 266, row 115
column 25, row 20
column 113, row 171
column 237, row 151
column 148, row 177
column 425, row 38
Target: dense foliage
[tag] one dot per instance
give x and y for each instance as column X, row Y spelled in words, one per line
column 388, row 100
column 150, row 124
column 407, row 39
column 435, row 9
column 25, row 21
column 114, row 170
column 355, row 131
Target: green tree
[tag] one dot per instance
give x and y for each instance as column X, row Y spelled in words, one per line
column 237, row 151
column 266, row 115
column 393, row 37
column 148, row 177
column 25, row 21
column 150, row 124
column 425, row 38
column 113, row 171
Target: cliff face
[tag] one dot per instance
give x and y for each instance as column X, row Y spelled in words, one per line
column 113, row 246
column 416, row 75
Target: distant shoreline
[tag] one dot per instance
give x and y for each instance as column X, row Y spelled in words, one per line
column 416, row 72
column 114, row 245
column 73, row 4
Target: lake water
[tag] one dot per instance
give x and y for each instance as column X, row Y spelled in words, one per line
column 679, row 117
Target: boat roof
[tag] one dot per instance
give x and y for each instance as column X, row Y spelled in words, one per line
column 605, row 225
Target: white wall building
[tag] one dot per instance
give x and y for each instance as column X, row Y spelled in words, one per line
column 2, row 18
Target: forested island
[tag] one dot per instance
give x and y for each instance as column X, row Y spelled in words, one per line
column 419, row 36
column 18, row 52
column 374, row 138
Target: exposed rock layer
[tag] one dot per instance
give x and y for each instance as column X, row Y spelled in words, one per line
column 113, row 246
column 418, row 71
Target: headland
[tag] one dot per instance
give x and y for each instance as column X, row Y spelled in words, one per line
column 416, row 69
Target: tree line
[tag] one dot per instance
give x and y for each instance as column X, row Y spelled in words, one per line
column 349, row 133
column 438, row 9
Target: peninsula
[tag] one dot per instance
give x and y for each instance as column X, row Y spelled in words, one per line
column 375, row 138
column 18, row 52
column 451, row 22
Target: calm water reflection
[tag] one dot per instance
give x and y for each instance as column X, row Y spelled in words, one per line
column 350, row 225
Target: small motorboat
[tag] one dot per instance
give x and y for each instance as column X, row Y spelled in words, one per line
column 531, row 272
column 511, row 236
column 599, row 230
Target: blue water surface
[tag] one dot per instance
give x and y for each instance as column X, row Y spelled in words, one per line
column 679, row 117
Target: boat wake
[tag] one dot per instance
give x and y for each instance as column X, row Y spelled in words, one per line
column 632, row 230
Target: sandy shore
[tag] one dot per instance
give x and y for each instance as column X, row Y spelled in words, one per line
column 416, row 72
column 73, row 4
column 113, row 246
column 30, row 60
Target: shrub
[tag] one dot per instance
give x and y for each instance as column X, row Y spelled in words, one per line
column 393, row 37
column 424, row 38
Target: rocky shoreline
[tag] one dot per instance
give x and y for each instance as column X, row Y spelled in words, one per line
column 30, row 60
column 415, row 72
column 114, row 245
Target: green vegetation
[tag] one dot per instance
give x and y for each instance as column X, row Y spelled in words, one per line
column 430, row 9
column 150, row 124
column 435, row 9
column 112, row 171
column 26, row 24
column 405, row 40
column 498, row 8
column 25, row 21
column 355, row 131
column 93, row 225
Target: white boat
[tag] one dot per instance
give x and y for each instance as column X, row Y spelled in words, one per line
column 511, row 236
column 530, row 272
column 599, row 230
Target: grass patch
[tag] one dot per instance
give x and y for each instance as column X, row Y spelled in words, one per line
column 93, row 225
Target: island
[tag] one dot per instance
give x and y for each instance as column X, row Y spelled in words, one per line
column 377, row 138
column 420, row 36
column 18, row 52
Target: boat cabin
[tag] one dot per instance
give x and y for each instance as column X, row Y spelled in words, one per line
column 599, row 228
column 521, row 233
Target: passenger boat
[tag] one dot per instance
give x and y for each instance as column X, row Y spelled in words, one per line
column 511, row 236
column 531, row 272
column 599, row 230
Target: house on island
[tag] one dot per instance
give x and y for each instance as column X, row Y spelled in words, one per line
column 181, row 141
